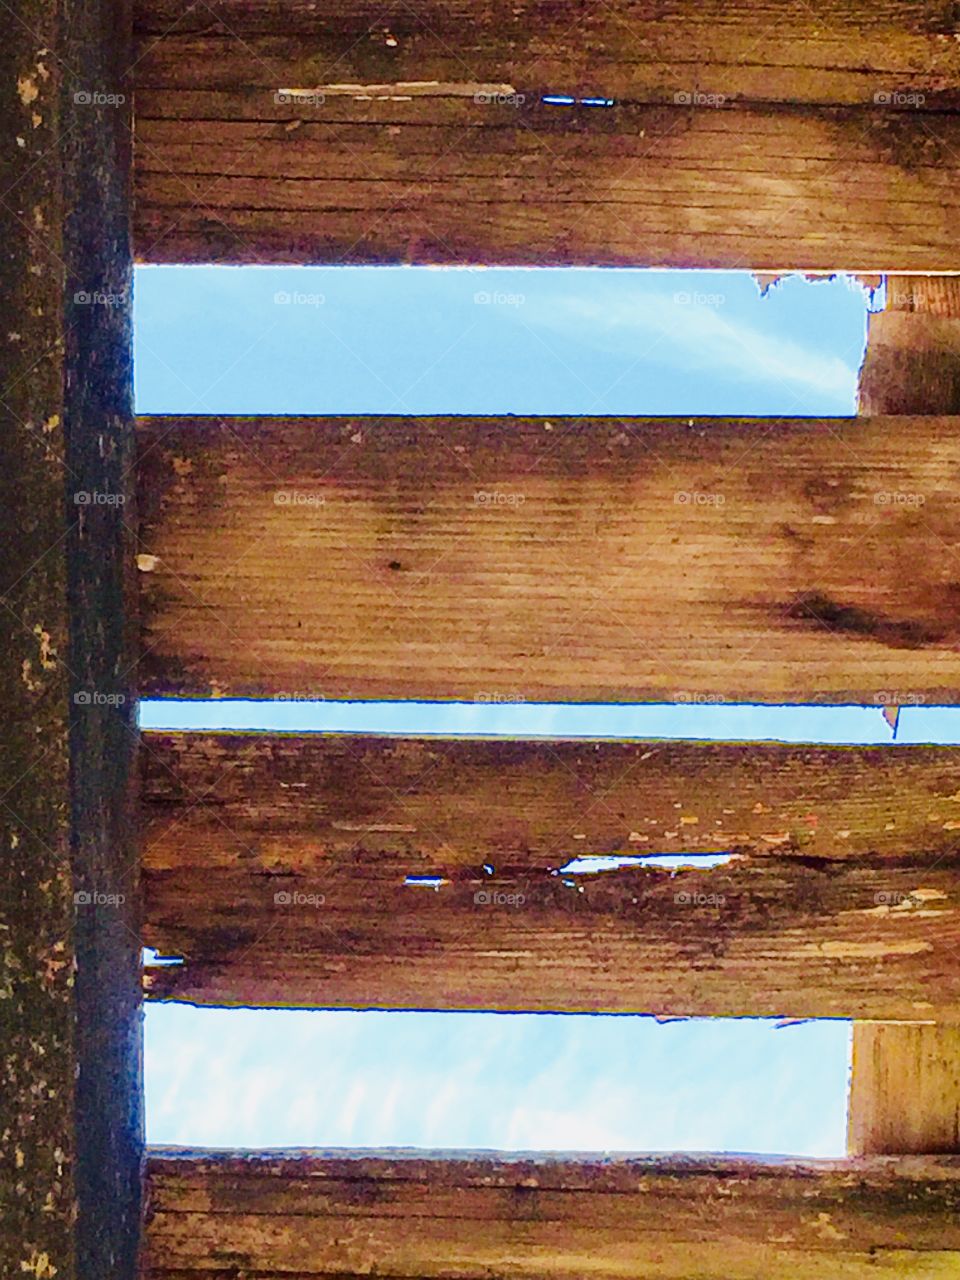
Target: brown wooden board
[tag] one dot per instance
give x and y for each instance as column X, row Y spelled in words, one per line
column 465, row 1216
column 912, row 359
column 616, row 560
column 779, row 50
column 70, row 1092
column 904, row 1089
column 234, row 175
column 278, row 867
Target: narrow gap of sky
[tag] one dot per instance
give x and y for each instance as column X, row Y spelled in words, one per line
column 213, row 340
column 416, row 340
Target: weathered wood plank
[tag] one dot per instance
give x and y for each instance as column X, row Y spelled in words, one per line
column 904, row 1089
column 70, row 1129
column 236, row 175
column 779, row 50
column 277, row 866
column 912, row 360
column 468, row 1217
column 298, row 803
column 571, row 559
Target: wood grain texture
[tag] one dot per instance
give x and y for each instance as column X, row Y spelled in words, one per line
column 459, row 1216
column 905, row 1089
column 912, row 360
column 234, row 175
column 277, row 866
column 538, row 559
column 779, row 50
column 297, row 804
column 70, row 1098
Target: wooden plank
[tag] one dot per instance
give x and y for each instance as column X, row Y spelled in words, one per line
column 298, row 803
column 70, row 1127
column 571, row 559
column 234, row 175
column 776, row 51
column 468, row 1217
column 904, row 1089
column 912, row 359
column 277, row 865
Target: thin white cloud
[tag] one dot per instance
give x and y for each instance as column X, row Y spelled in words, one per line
column 691, row 335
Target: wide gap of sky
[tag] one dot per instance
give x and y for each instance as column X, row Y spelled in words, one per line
column 418, row 340
column 212, row 340
column 513, row 1082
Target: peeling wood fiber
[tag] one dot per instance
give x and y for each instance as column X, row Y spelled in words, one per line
column 541, row 559
column 434, row 1216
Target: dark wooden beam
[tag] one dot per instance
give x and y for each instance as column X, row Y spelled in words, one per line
column 70, row 1104
column 759, row 560
column 437, row 1215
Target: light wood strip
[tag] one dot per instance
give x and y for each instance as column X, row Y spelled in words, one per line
column 471, row 1216
column 905, row 1089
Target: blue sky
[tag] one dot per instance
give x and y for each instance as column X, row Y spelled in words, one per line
column 404, row 340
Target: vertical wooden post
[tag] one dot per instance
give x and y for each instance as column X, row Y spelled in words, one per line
column 905, row 1077
column 904, row 1089
column 70, row 1093
column 912, row 360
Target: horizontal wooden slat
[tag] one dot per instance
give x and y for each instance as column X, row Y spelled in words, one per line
column 904, row 1088
column 469, row 1217
column 276, row 866
column 236, row 176
column 583, row 559
column 779, row 50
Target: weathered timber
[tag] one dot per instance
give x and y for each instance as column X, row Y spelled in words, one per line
column 295, row 804
column 904, row 1089
column 70, row 1127
column 252, row 175
column 279, row 868
column 912, row 359
column 469, row 1217
column 573, row 559
column 777, row 51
